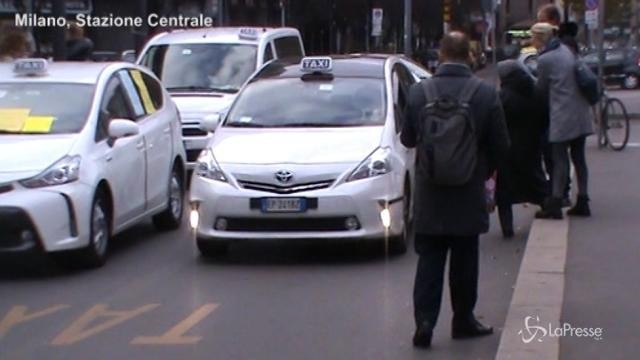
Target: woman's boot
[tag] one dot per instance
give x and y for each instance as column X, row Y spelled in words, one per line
column 552, row 209
column 581, row 208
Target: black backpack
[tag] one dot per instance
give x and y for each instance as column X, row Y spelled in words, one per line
column 447, row 143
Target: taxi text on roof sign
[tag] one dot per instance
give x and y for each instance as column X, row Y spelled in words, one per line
column 30, row 67
column 322, row 64
column 248, row 33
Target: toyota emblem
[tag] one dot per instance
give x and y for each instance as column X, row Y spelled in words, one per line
column 284, row 176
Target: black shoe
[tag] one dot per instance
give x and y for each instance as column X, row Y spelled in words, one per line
column 470, row 329
column 552, row 209
column 508, row 234
column 422, row 336
column 566, row 202
column 581, row 208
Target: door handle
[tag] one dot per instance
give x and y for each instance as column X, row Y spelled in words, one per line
column 167, row 130
column 109, row 157
column 140, row 145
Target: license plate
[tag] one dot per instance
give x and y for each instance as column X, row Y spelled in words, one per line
column 284, row 205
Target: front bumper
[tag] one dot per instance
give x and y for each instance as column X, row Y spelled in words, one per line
column 325, row 219
column 48, row 219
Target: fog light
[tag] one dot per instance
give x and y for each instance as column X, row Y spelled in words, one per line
column 221, row 224
column 194, row 219
column 351, row 223
column 385, row 216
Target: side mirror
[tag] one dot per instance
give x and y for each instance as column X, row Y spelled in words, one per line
column 120, row 128
column 210, row 123
column 129, row 56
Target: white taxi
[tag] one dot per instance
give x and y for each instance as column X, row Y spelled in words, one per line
column 204, row 69
column 310, row 151
column 87, row 151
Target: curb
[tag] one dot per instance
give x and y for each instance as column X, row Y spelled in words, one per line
column 539, row 291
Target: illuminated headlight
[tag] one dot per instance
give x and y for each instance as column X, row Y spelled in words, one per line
column 375, row 165
column 194, row 219
column 385, row 217
column 64, row 171
column 207, row 167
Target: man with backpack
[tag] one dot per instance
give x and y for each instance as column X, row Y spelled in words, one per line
column 456, row 123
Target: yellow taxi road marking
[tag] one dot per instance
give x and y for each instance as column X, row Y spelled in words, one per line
column 176, row 335
column 81, row 330
column 18, row 315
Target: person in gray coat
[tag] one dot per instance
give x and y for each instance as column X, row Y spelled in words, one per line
column 449, row 218
column 570, row 119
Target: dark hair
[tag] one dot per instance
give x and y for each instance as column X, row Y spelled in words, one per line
column 551, row 13
column 13, row 42
column 455, row 46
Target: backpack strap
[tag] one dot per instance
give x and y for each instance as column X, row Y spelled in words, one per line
column 430, row 90
column 469, row 90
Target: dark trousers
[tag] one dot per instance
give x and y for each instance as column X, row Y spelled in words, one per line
column 463, row 276
column 560, row 152
column 548, row 159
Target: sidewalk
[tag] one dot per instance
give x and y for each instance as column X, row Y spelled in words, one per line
column 603, row 261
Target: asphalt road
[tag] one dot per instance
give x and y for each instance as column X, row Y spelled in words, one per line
column 157, row 299
column 602, row 259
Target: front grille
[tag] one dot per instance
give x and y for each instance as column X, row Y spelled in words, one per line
column 286, row 224
column 5, row 188
column 284, row 190
column 191, row 131
column 192, row 155
column 14, row 225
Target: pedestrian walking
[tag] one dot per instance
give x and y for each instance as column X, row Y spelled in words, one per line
column 570, row 119
column 79, row 47
column 521, row 178
column 14, row 46
column 456, row 123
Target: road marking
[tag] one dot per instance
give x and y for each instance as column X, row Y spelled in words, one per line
column 633, row 144
column 18, row 315
column 79, row 330
column 176, row 335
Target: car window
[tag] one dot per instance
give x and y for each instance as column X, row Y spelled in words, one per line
column 268, row 53
column 150, row 91
column 334, row 103
column 132, row 92
column 402, row 81
column 202, row 67
column 44, row 108
column 114, row 105
column 288, row 47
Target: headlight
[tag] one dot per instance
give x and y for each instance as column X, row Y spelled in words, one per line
column 375, row 165
column 64, row 171
column 207, row 167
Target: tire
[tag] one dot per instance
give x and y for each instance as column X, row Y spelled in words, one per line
column 95, row 254
column 631, row 81
column 212, row 249
column 617, row 124
column 171, row 217
column 399, row 245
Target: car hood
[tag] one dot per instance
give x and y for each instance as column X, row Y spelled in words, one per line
column 197, row 105
column 29, row 155
column 295, row 146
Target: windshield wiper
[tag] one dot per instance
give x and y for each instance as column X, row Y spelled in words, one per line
column 202, row 89
column 318, row 125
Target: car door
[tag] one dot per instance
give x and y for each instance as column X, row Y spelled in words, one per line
column 123, row 159
column 401, row 80
column 155, row 125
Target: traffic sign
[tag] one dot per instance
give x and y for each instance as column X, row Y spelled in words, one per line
column 376, row 21
column 592, row 4
column 591, row 18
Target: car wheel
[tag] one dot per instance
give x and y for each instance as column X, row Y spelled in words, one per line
column 95, row 254
column 171, row 217
column 212, row 249
column 631, row 81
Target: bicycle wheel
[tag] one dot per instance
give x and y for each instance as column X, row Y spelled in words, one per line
column 617, row 125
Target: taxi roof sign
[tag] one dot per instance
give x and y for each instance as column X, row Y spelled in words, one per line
column 30, row 67
column 248, row 34
column 317, row 64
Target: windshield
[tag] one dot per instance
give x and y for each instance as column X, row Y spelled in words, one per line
column 296, row 103
column 42, row 108
column 202, row 67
